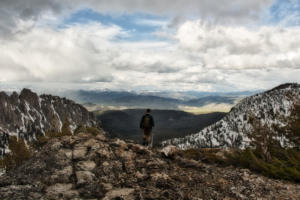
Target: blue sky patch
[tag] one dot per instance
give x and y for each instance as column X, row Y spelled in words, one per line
column 140, row 26
column 285, row 13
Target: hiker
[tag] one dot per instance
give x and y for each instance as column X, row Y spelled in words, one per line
column 147, row 123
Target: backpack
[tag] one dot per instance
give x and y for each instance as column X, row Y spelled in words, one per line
column 147, row 121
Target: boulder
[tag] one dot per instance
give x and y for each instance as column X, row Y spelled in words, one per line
column 169, row 151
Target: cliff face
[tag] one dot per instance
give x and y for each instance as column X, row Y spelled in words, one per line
column 84, row 166
column 28, row 115
column 271, row 110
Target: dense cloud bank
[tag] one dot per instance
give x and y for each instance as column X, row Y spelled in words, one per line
column 209, row 50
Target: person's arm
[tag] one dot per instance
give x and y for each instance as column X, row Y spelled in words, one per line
column 152, row 121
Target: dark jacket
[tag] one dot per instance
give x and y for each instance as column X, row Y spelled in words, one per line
column 142, row 121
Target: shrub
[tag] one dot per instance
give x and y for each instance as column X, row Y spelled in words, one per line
column 80, row 129
column 293, row 128
column 205, row 155
column 285, row 163
column 19, row 153
column 66, row 130
column 92, row 130
column 191, row 154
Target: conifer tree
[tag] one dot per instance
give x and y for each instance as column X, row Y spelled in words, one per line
column 66, row 129
column 19, row 153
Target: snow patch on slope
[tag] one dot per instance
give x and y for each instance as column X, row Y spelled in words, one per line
column 271, row 108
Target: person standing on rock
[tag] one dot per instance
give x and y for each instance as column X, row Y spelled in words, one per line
column 146, row 124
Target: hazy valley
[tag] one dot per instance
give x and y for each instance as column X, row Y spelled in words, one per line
column 168, row 123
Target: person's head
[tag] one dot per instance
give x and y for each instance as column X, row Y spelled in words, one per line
column 148, row 110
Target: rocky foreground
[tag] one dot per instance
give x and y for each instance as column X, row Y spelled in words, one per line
column 94, row 167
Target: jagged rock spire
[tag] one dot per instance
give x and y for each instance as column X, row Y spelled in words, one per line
column 28, row 115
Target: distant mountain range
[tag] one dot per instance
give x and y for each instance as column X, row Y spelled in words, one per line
column 192, row 101
column 168, row 123
column 158, row 100
column 271, row 115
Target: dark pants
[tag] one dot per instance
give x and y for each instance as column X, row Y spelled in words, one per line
column 147, row 136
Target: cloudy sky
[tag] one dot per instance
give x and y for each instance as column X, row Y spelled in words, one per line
column 156, row 45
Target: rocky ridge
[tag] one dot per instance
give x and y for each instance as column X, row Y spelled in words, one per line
column 28, row 115
column 84, row 166
column 271, row 109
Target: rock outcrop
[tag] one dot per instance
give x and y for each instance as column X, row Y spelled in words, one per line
column 28, row 115
column 84, row 166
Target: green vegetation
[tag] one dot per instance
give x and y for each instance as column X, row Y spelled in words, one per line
column 285, row 163
column 205, row 155
column 267, row 158
column 294, row 127
column 18, row 155
column 83, row 129
column 66, row 130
